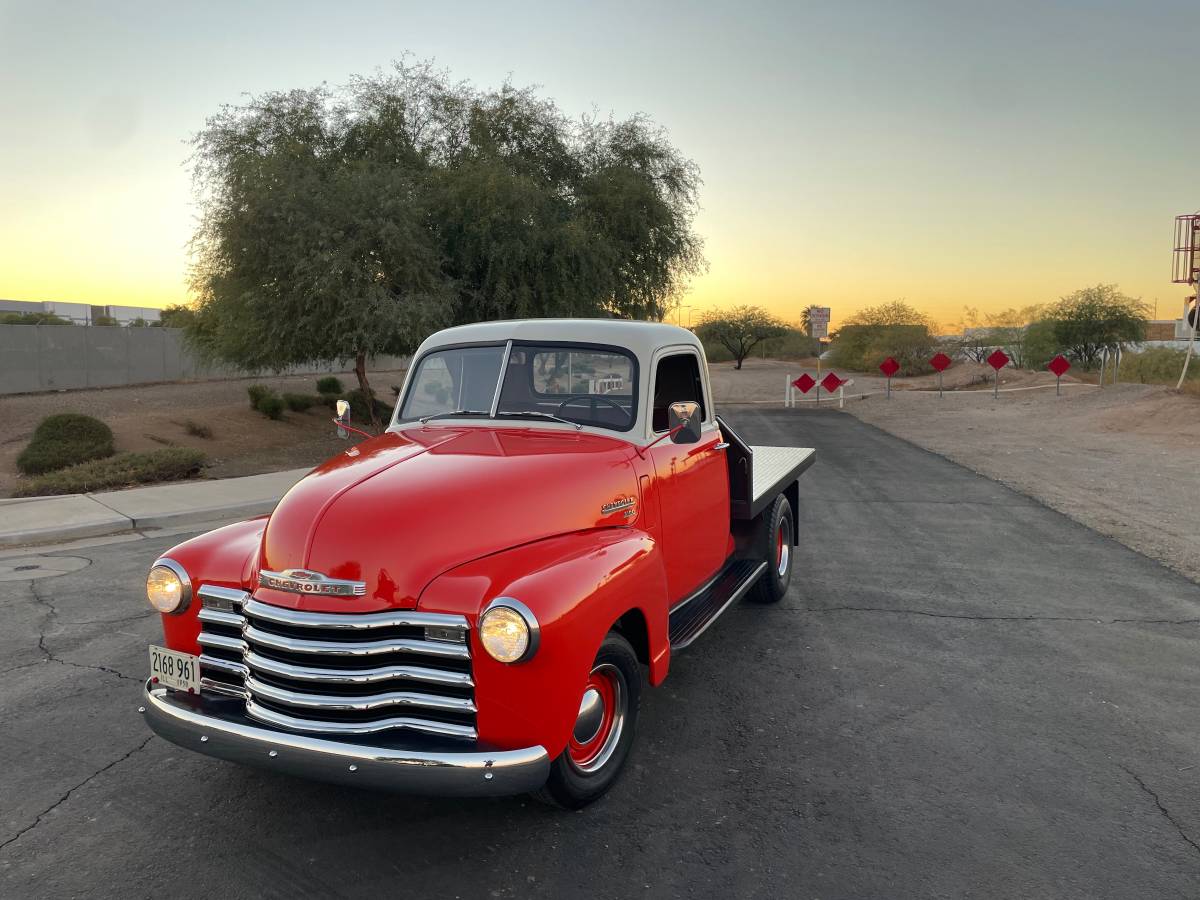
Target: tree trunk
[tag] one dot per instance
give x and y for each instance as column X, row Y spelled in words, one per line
column 738, row 364
column 360, row 372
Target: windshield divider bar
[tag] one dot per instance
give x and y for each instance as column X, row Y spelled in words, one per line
column 500, row 380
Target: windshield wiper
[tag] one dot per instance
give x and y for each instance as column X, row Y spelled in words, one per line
column 542, row 415
column 458, row 413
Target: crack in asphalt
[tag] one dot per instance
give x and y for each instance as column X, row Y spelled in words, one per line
column 1162, row 809
column 63, row 799
column 981, row 618
column 47, row 653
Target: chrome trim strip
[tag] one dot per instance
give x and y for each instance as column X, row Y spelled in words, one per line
column 343, row 703
column 306, row 581
column 231, row 595
column 356, row 676
column 192, row 723
column 535, row 630
column 220, row 641
column 225, row 665
column 220, row 617
column 353, row 648
column 500, row 379
column 222, row 687
column 292, row 723
column 185, row 582
column 350, row 621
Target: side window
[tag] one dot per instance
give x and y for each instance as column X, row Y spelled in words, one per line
column 677, row 378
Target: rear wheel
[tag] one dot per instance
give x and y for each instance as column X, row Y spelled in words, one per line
column 776, row 548
column 604, row 729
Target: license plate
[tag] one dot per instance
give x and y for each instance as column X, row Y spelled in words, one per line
column 178, row 671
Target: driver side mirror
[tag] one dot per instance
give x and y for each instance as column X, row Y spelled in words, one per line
column 343, row 418
column 683, row 421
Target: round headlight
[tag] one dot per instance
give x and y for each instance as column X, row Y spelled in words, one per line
column 508, row 630
column 168, row 587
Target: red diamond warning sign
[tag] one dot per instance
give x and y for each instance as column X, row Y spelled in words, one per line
column 805, row 382
column 831, row 383
column 998, row 360
column 1059, row 365
column 889, row 367
column 941, row 362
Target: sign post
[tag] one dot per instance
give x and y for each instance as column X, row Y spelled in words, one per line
column 998, row 360
column 1058, row 366
column 889, row 367
column 941, row 362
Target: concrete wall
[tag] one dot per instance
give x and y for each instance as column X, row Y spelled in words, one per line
column 64, row 357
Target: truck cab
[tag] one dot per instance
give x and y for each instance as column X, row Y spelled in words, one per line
column 472, row 601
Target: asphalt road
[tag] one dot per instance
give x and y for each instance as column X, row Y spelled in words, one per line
column 964, row 694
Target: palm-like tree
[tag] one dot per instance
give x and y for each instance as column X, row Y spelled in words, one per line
column 806, row 319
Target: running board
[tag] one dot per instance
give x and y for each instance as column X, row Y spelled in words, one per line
column 691, row 618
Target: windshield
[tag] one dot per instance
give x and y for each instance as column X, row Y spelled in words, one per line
column 582, row 384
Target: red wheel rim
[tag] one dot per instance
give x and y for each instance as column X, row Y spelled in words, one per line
column 591, row 754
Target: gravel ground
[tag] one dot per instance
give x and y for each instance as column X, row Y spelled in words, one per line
column 1124, row 460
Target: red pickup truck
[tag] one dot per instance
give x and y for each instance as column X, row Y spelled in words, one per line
column 470, row 602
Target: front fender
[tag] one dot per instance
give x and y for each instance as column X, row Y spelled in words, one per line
column 577, row 586
column 225, row 557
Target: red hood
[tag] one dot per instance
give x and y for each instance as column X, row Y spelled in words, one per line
column 398, row 510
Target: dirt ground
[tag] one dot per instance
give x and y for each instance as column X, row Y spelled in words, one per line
column 146, row 417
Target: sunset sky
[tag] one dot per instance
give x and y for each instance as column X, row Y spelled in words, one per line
column 949, row 153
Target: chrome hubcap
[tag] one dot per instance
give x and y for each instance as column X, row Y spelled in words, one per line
column 591, row 716
column 783, row 549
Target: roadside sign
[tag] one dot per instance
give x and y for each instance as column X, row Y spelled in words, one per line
column 998, row 359
column 941, row 362
column 831, row 383
column 805, row 383
column 889, row 367
column 1058, row 366
column 818, row 318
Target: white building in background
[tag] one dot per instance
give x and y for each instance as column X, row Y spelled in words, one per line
column 82, row 313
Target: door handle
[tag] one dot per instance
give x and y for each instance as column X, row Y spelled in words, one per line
column 724, row 445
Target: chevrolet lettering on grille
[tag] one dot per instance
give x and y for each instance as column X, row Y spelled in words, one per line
column 305, row 581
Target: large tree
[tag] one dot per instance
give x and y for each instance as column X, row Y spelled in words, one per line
column 342, row 223
column 1095, row 319
column 739, row 329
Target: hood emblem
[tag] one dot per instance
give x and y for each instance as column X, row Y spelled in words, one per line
column 306, row 581
column 622, row 503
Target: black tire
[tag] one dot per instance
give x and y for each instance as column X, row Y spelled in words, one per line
column 575, row 779
column 775, row 546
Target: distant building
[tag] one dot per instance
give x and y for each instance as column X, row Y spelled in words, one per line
column 82, row 313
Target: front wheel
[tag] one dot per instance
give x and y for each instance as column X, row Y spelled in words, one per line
column 604, row 729
column 776, row 549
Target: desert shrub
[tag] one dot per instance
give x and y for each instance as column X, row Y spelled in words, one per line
column 125, row 469
column 359, row 410
column 196, row 429
column 256, row 393
column 795, row 344
column 1160, row 365
column 271, row 406
column 65, row 440
column 861, row 348
column 330, row 384
column 300, row 402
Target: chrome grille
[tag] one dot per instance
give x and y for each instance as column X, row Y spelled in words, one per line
column 339, row 673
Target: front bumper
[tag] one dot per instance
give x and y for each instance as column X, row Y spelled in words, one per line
column 215, row 727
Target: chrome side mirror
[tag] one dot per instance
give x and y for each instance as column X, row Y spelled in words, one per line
column 683, row 420
column 343, row 418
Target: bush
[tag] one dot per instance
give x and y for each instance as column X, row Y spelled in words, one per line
column 271, row 406
column 330, row 384
column 195, row 429
column 300, row 402
column 127, row 469
column 257, row 393
column 359, row 410
column 65, row 440
column 1158, row 366
column 861, row 348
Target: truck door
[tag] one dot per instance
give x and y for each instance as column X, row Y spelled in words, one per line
column 693, row 480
